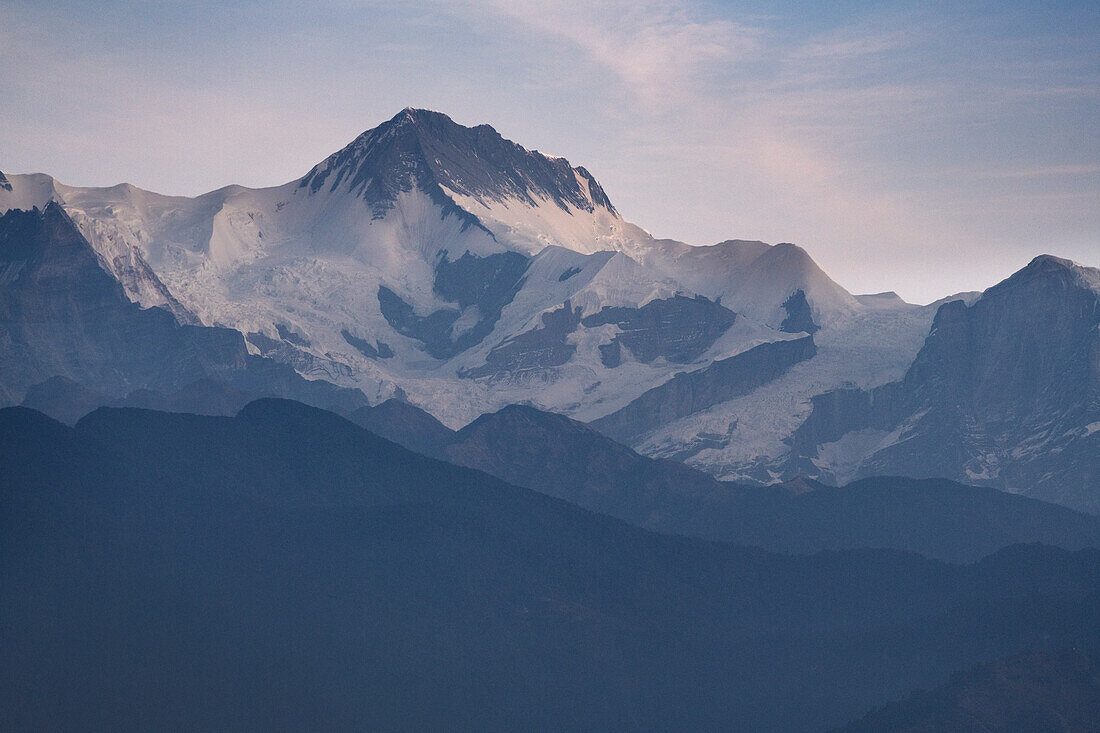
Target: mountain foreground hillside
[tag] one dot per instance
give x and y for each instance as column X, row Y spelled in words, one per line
column 555, row 455
column 285, row 568
column 1038, row 692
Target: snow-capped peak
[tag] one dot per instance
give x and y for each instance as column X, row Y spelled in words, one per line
column 428, row 150
column 453, row 264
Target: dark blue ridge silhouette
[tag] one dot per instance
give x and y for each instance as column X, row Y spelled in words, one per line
column 287, row 569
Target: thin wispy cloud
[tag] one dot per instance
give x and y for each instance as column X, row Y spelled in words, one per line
column 663, row 52
column 848, row 48
column 1055, row 170
column 826, row 139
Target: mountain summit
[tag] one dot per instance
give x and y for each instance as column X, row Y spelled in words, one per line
column 429, row 150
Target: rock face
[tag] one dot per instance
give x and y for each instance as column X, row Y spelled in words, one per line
column 485, row 284
column 62, row 315
column 693, row 392
column 800, row 318
column 1005, row 392
column 679, row 329
column 428, row 150
column 536, row 350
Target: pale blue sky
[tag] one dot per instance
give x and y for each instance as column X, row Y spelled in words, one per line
column 917, row 146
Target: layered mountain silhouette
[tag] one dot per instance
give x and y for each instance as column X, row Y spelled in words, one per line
column 433, row 437
column 286, row 568
column 555, row 455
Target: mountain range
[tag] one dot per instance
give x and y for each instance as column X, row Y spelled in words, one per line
column 560, row 457
column 460, row 272
column 433, row 437
column 285, row 568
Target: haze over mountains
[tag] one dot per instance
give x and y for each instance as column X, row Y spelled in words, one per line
column 560, row 457
column 463, row 273
column 284, row 568
column 528, row 466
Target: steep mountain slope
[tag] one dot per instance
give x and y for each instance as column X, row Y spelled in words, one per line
column 63, row 316
column 528, row 199
column 109, row 224
column 745, row 437
column 566, row 459
column 285, row 568
column 1005, row 392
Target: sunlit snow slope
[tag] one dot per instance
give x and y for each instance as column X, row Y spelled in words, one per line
column 450, row 265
